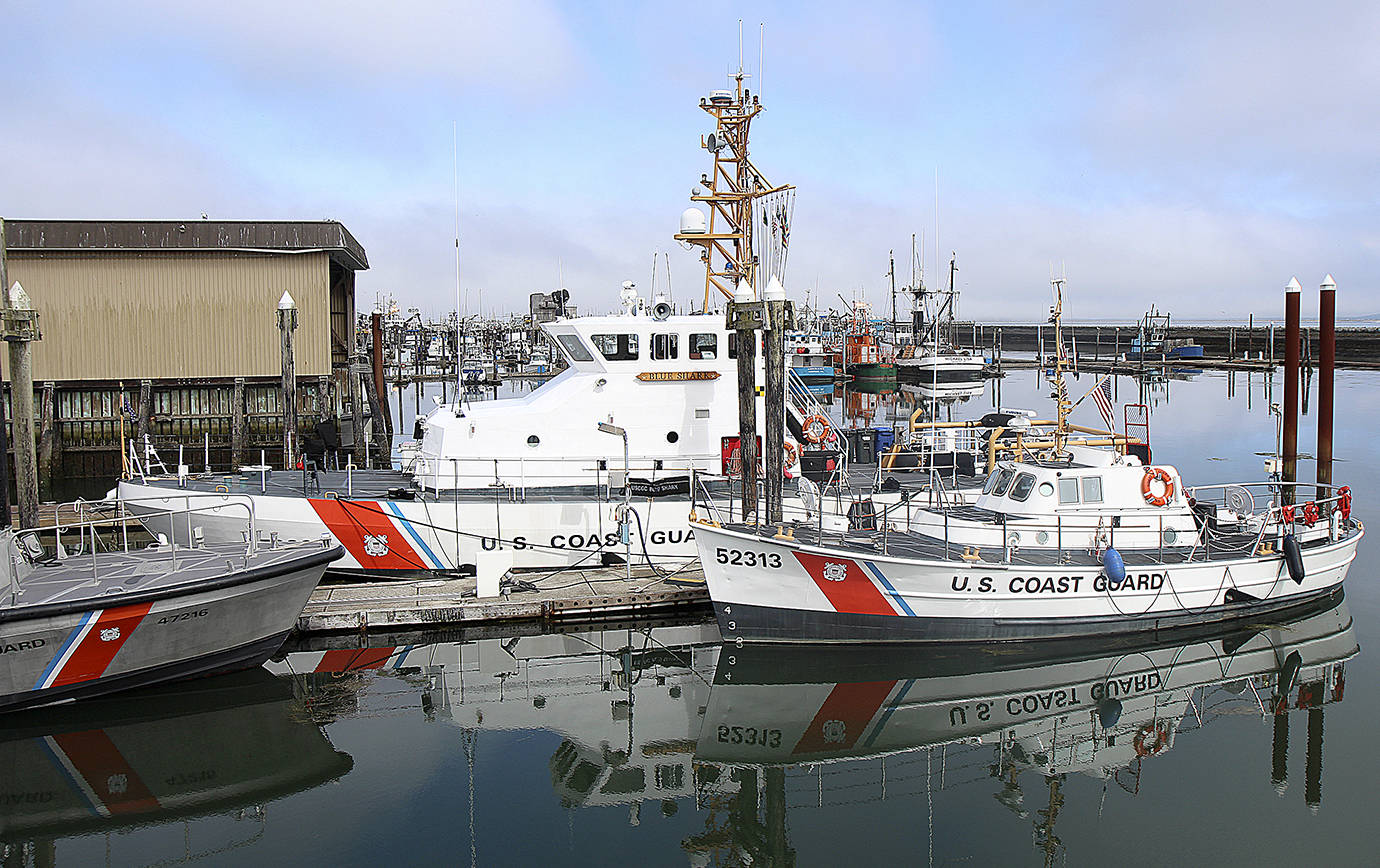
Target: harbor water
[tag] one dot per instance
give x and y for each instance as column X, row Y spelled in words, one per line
column 639, row 743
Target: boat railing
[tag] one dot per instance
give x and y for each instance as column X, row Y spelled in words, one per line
column 89, row 518
column 511, row 477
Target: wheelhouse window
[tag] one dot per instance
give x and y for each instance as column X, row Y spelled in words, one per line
column 1025, row 483
column 1002, row 481
column 1068, row 490
column 704, row 346
column 616, row 348
column 1092, row 489
column 665, row 347
column 574, row 348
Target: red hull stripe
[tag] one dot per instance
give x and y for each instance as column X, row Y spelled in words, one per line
column 352, row 521
column 92, row 657
column 350, row 660
column 840, row 721
column 106, row 772
column 848, row 586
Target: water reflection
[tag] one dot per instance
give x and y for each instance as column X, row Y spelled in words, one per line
column 151, row 757
column 840, row 724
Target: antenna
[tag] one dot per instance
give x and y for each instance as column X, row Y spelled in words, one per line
column 761, row 54
column 740, row 45
column 455, row 170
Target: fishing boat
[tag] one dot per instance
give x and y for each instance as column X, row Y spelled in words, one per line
column 1064, row 540
column 77, row 620
column 930, row 357
column 807, row 358
column 1152, row 341
column 864, row 357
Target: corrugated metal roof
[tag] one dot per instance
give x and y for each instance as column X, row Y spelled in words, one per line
column 264, row 235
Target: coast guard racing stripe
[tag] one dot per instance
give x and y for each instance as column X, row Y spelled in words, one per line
column 844, row 715
column 847, row 586
column 99, row 773
column 92, row 644
column 368, row 534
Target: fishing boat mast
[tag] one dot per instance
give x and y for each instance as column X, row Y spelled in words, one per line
column 730, row 192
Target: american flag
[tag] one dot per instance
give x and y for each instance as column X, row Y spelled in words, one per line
column 1102, row 396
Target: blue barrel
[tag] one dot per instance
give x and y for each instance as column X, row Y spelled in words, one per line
column 886, row 438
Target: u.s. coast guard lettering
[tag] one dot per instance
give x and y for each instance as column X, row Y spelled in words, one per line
column 1056, row 584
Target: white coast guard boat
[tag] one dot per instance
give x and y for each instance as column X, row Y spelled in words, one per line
column 542, row 480
column 1054, row 547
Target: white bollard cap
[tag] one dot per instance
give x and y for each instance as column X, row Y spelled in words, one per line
column 1293, row 285
column 1328, row 284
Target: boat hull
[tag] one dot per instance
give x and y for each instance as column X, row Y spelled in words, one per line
column 770, row 590
column 942, row 369
column 401, row 538
column 59, row 652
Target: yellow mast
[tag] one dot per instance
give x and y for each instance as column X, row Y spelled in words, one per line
column 730, row 191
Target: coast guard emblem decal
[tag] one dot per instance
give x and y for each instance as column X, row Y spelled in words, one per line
column 376, row 546
column 835, row 572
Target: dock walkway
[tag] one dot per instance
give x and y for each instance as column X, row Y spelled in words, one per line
column 567, row 595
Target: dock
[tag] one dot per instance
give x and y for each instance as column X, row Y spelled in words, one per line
column 547, row 598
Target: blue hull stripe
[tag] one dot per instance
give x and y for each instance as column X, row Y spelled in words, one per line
column 891, row 592
column 416, row 537
column 890, row 709
column 62, row 652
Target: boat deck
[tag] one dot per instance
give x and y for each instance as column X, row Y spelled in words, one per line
column 82, row 580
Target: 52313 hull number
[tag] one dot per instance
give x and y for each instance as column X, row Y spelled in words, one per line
column 739, row 558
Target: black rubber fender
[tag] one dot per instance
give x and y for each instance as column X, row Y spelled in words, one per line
column 1293, row 558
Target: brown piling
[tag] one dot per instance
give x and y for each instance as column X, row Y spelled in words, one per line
column 380, row 385
column 1291, row 385
column 1327, row 362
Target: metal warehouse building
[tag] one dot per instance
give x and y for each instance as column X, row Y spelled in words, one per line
column 178, row 320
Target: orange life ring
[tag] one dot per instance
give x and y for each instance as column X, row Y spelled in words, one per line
column 1161, row 734
column 1151, row 474
column 816, row 428
column 789, row 455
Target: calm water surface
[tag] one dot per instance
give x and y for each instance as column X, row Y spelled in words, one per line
column 635, row 745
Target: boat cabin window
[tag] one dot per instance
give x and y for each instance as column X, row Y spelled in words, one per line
column 733, row 346
column 665, row 347
column 1068, row 490
column 616, row 348
column 574, row 348
column 999, row 482
column 1025, row 483
column 704, row 346
column 1092, row 489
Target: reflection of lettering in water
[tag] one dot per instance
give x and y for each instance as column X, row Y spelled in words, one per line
column 834, row 731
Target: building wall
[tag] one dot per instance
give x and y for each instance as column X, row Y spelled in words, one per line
column 153, row 315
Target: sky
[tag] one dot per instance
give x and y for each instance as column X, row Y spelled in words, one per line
column 1191, row 155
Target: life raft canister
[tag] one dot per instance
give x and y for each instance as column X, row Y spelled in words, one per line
column 1152, row 474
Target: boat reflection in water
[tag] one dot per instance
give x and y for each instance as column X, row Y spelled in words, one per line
column 626, row 701
column 852, row 714
column 154, row 756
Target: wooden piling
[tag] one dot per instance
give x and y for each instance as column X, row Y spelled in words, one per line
column 1327, row 363
column 237, row 425
column 20, row 329
column 1291, row 385
column 47, row 440
column 4, row 438
column 287, row 324
column 774, row 368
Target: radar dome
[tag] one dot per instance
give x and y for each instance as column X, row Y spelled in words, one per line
column 692, row 222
